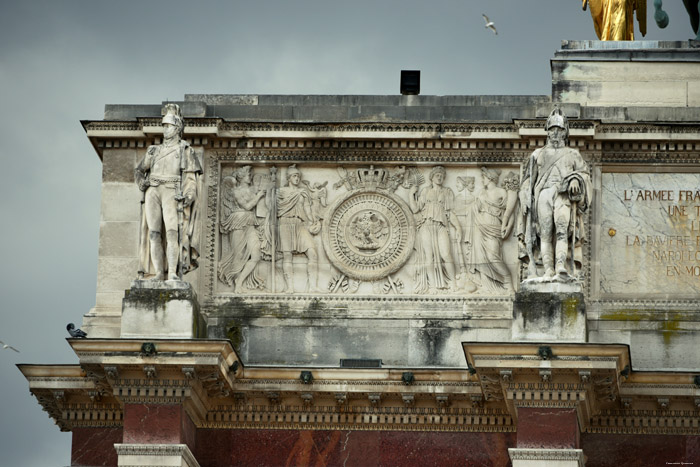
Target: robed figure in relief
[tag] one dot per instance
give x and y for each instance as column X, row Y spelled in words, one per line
column 240, row 226
column 554, row 195
column 298, row 223
column 493, row 215
column 434, row 263
column 168, row 176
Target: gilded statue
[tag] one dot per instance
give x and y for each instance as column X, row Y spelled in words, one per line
column 614, row 19
column 168, row 176
column 555, row 192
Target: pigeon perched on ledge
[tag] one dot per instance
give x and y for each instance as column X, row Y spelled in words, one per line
column 75, row 332
column 7, row 346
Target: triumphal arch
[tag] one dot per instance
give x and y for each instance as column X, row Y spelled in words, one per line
column 385, row 280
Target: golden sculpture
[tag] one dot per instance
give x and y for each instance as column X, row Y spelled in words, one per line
column 613, row 19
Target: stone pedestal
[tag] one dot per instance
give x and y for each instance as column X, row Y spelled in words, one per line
column 155, row 455
column 161, row 310
column 627, row 74
column 553, row 312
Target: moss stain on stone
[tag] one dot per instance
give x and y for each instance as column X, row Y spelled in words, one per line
column 316, row 306
column 164, row 297
column 669, row 320
column 234, row 333
column 669, row 329
column 570, row 309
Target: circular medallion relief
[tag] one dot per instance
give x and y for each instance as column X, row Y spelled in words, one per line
column 368, row 234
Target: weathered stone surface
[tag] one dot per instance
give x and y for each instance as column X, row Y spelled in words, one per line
column 111, row 273
column 650, row 234
column 120, row 202
column 654, row 73
column 129, row 112
column 118, row 165
column 118, row 239
column 155, row 455
column 161, row 309
column 549, row 317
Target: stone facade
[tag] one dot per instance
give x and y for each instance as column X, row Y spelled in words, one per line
column 355, row 250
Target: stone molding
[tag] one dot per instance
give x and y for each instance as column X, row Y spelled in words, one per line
column 156, row 455
column 571, row 455
column 594, row 379
column 500, row 379
column 395, row 418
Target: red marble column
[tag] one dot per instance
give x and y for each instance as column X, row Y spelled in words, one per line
column 94, row 446
column 547, row 428
column 158, row 424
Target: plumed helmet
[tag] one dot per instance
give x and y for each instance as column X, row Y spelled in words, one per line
column 172, row 115
column 291, row 170
column 557, row 118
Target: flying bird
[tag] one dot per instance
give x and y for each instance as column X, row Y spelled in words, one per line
column 490, row 24
column 75, row 332
column 6, row 346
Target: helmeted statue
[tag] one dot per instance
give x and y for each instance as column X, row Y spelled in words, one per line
column 168, row 176
column 555, row 192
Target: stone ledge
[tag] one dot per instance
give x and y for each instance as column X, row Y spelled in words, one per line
column 566, row 457
column 155, row 455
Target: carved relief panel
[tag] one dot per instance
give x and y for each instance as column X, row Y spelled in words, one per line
column 366, row 229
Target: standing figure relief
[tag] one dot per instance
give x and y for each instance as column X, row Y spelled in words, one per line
column 240, row 226
column 297, row 226
column 433, row 205
column 463, row 210
column 367, row 230
column 493, row 221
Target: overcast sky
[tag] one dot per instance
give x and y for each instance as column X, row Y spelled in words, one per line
column 62, row 61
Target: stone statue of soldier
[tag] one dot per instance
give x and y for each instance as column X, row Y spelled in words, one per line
column 554, row 194
column 168, row 176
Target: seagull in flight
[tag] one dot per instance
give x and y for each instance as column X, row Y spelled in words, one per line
column 490, row 24
column 75, row 332
column 7, row 346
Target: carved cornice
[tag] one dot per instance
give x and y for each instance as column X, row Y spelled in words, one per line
column 426, row 129
column 623, row 128
column 399, row 417
column 671, row 422
column 594, row 379
column 372, row 127
column 380, row 155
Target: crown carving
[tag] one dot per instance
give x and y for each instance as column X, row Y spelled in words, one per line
column 372, row 178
